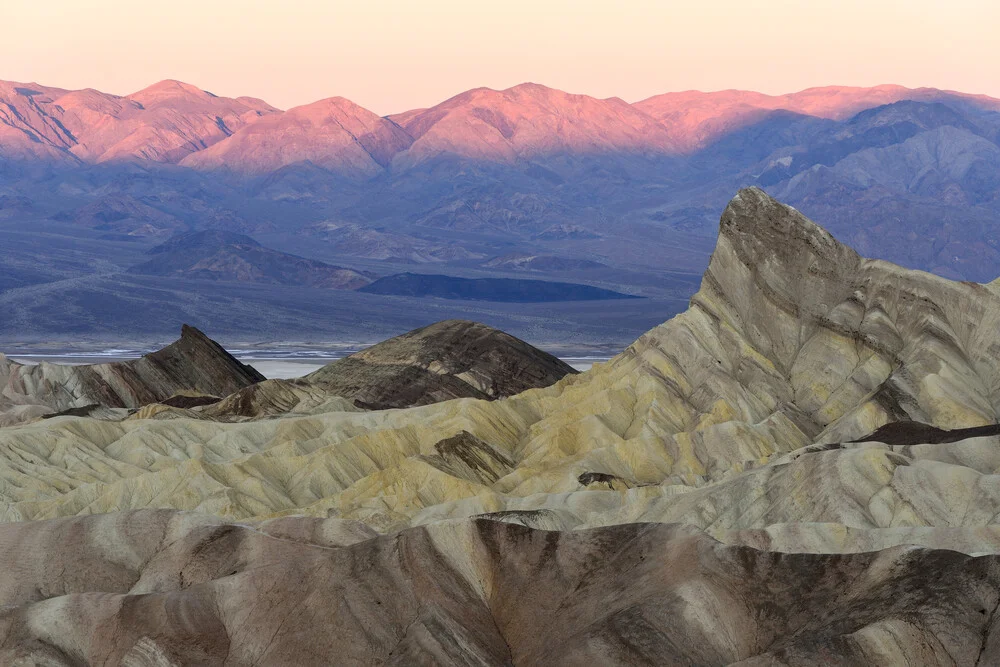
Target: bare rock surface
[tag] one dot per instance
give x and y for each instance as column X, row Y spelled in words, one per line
column 719, row 418
column 800, row 469
column 193, row 363
column 162, row 587
column 450, row 359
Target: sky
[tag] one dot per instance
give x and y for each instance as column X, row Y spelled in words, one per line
column 390, row 56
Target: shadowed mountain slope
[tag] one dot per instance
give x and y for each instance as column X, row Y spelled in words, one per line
column 514, row 290
column 696, row 119
column 218, row 255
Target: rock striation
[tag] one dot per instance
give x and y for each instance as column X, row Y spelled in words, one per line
column 192, row 364
column 799, row 469
column 442, row 361
column 163, row 587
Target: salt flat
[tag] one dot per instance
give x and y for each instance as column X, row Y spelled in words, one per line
column 274, row 369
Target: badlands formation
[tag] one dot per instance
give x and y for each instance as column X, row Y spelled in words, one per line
column 194, row 365
column 777, row 476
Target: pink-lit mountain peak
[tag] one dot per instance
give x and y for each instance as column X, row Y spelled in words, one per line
column 527, row 120
column 334, row 133
column 179, row 95
column 169, row 90
column 173, row 121
column 161, row 123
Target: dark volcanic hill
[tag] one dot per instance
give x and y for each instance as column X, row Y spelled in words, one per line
column 451, row 359
column 219, row 255
column 511, row 290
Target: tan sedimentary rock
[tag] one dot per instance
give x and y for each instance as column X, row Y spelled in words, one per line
column 193, row 363
column 166, row 588
column 793, row 340
column 744, row 485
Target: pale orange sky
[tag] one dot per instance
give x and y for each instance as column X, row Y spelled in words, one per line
column 390, row 56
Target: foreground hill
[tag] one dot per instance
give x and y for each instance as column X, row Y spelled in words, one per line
column 773, row 419
column 452, row 359
column 193, row 363
column 164, row 587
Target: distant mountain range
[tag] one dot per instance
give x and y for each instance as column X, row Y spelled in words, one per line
column 177, row 123
column 597, row 192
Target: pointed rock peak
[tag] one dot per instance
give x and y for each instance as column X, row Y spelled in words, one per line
column 193, row 364
column 204, row 364
column 772, row 270
column 759, row 226
column 189, row 332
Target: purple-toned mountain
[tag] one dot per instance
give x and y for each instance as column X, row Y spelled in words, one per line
column 162, row 123
column 621, row 197
column 175, row 122
column 528, row 121
column 334, row 134
column 695, row 119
